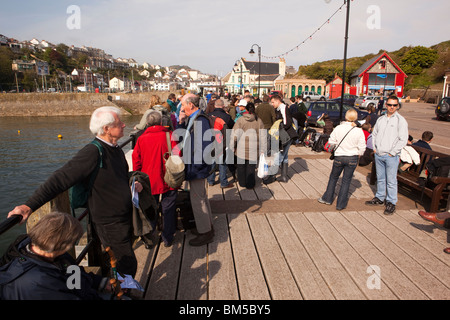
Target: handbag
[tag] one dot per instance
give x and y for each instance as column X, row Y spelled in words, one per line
column 334, row 149
column 174, row 164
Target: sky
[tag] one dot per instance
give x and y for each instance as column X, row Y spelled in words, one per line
column 210, row 35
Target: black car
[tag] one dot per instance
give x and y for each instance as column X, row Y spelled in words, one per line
column 332, row 108
column 443, row 109
column 349, row 99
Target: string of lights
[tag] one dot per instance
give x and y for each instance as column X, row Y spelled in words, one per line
column 310, row 36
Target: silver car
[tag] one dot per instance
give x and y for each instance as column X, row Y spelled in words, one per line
column 365, row 102
column 312, row 96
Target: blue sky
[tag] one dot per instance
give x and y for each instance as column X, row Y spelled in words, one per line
column 211, row 35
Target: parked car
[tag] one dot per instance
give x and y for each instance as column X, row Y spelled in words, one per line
column 276, row 92
column 332, row 108
column 443, row 109
column 365, row 102
column 312, row 96
column 349, row 99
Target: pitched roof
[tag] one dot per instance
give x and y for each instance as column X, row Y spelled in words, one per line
column 369, row 63
column 266, row 67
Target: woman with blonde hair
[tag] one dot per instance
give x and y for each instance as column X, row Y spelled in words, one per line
column 350, row 144
column 154, row 101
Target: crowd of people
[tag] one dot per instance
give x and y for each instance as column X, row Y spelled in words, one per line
column 180, row 126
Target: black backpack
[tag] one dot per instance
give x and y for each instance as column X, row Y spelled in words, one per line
column 439, row 167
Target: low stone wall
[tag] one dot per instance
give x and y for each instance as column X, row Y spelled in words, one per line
column 72, row 104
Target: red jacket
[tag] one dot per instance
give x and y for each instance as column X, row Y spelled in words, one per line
column 148, row 157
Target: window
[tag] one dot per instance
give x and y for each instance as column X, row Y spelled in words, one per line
column 300, row 90
column 381, row 79
column 313, row 89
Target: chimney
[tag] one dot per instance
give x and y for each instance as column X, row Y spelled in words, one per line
column 282, row 67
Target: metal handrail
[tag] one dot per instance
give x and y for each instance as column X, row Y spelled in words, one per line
column 16, row 219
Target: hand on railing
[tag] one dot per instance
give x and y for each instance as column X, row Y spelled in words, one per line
column 22, row 210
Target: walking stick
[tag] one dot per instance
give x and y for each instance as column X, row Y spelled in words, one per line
column 114, row 280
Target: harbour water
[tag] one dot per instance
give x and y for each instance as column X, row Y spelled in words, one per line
column 30, row 151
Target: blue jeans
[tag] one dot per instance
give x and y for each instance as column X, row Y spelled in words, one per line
column 222, row 176
column 347, row 164
column 284, row 153
column 387, row 167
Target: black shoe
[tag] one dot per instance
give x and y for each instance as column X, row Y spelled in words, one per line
column 375, row 202
column 284, row 173
column 390, row 208
column 269, row 179
column 147, row 240
column 202, row 239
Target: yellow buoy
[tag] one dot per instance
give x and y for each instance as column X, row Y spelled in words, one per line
column 59, row 137
column 18, row 132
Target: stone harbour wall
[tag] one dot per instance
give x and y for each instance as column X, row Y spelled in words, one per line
column 73, row 104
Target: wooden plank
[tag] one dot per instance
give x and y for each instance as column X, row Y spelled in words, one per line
column 291, row 187
column 193, row 273
column 430, row 228
column 222, row 284
column 431, row 286
column 391, row 276
column 278, row 191
column 429, row 262
column 145, row 258
column 215, row 192
column 348, row 256
column 250, row 277
column 310, row 183
column 164, row 277
column 421, row 232
column 262, row 191
column 279, row 278
column 246, row 194
column 231, row 193
column 339, row 281
column 308, row 278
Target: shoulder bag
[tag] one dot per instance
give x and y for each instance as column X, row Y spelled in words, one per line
column 174, row 175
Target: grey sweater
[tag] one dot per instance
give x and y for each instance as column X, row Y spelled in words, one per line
column 390, row 134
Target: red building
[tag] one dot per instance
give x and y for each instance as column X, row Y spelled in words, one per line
column 334, row 88
column 379, row 75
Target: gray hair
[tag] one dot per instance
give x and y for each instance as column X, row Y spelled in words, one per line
column 101, row 117
column 194, row 99
column 219, row 103
column 154, row 118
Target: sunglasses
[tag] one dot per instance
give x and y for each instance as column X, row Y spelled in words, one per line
column 392, row 105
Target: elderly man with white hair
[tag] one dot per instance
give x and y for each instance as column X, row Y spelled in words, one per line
column 109, row 202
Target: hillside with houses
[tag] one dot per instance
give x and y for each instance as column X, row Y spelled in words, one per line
column 39, row 65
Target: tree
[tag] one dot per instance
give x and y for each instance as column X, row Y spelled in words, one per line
column 418, row 58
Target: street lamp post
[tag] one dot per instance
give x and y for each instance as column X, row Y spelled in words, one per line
column 345, row 60
column 259, row 65
column 240, row 80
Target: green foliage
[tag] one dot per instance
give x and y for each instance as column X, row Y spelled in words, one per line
column 418, row 58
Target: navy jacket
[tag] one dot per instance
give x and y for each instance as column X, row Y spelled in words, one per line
column 26, row 276
column 197, row 148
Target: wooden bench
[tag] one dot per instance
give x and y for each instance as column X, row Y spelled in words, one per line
column 411, row 178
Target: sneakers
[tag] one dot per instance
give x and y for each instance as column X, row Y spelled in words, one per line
column 390, row 208
column 375, row 202
column 320, row 200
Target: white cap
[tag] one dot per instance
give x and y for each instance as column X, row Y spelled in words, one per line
column 242, row 102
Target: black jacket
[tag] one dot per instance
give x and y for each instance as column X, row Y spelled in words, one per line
column 220, row 113
column 27, row 276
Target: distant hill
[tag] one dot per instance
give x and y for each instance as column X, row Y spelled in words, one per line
column 426, row 76
column 178, row 67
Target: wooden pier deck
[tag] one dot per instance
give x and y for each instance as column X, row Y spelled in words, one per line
column 277, row 242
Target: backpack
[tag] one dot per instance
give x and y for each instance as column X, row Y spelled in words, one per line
column 305, row 134
column 319, row 144
column 439, row 167
column 79, row 193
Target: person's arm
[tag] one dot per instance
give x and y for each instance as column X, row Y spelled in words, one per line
column 75, row 170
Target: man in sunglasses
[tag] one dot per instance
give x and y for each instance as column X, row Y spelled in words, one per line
column 389, row 135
